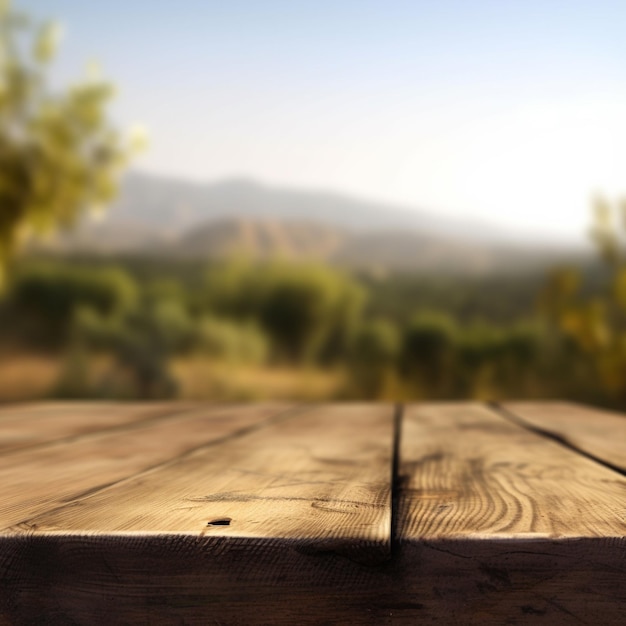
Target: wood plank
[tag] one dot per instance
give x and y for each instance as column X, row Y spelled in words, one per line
column 308, row 507
column 599, row 433
column 325, row 475
column 23, row 426
column 497, row 524
column 35, row 480
column 168, row 579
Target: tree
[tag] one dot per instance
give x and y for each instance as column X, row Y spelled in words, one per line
column 596, row 323
column 307, row 309
column 44, row 299
column 428, row 346
column 373, row 357
column 59, row 154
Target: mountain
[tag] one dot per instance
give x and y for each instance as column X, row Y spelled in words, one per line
column 161, row 216
column 263, row 238
column 372, row 250
column 172, row 206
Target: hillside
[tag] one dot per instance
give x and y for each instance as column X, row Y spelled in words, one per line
column 157, row 216
column 177, row 205
column 262, row 238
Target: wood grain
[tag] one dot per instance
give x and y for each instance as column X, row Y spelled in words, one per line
column 35, row 480
column 323, row 477
column 24, row 426
column 511, row 581
column 599, row 433
column 172, row 579
column 290, row 523
column 308, row 502
column 470, row 472
column 497, row 524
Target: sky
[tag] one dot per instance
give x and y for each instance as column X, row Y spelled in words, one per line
column 511, row 112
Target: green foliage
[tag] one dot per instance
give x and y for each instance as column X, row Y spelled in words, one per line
column 499, row 300
column 139, row 318
column 44, row 298
column 373, row 357
column 608, row 229
column 231, row 289
column 307, row 310
column 480, row 344
column 141, row 341
column 306, row 307
column 74, row 380
column 231, row 341
column 522, row 344
column 428, row 347
column 99, row 332
column 59, row 155
column 376, row 342
column 595, row 325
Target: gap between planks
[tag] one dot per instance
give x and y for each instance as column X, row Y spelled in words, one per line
column 434, row 553
column 397, row 479
column 396, row 483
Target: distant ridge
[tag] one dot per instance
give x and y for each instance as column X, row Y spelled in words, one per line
column 169, row 217
column 178, row 205
column 263, row 238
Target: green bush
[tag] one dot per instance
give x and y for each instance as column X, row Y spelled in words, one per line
column 44, row 299
column 373, row 357
column 376, row 342
column 428, row 348
column 231, row 341
column 308, row 311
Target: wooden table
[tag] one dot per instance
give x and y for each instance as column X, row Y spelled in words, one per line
column 341, row 513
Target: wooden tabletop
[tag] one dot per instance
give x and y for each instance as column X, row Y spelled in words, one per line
column 450, row 513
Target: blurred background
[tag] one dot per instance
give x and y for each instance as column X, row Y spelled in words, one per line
column 351, row 200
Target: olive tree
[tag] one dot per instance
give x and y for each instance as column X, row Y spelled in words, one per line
column 59, row 153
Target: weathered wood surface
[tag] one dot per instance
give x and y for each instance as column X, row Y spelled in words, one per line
column 40, row 479
column 292, row 520
column 471, row 473
column 24, row 426
column 498, row 524
column 601, row 434
column 167, row 579
column 324, row 477
column 308, row 506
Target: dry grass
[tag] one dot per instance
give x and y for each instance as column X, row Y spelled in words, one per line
column 202, row 379
column 32, row 377
column 27, row 376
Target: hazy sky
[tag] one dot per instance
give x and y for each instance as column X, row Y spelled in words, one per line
column 511, row 111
